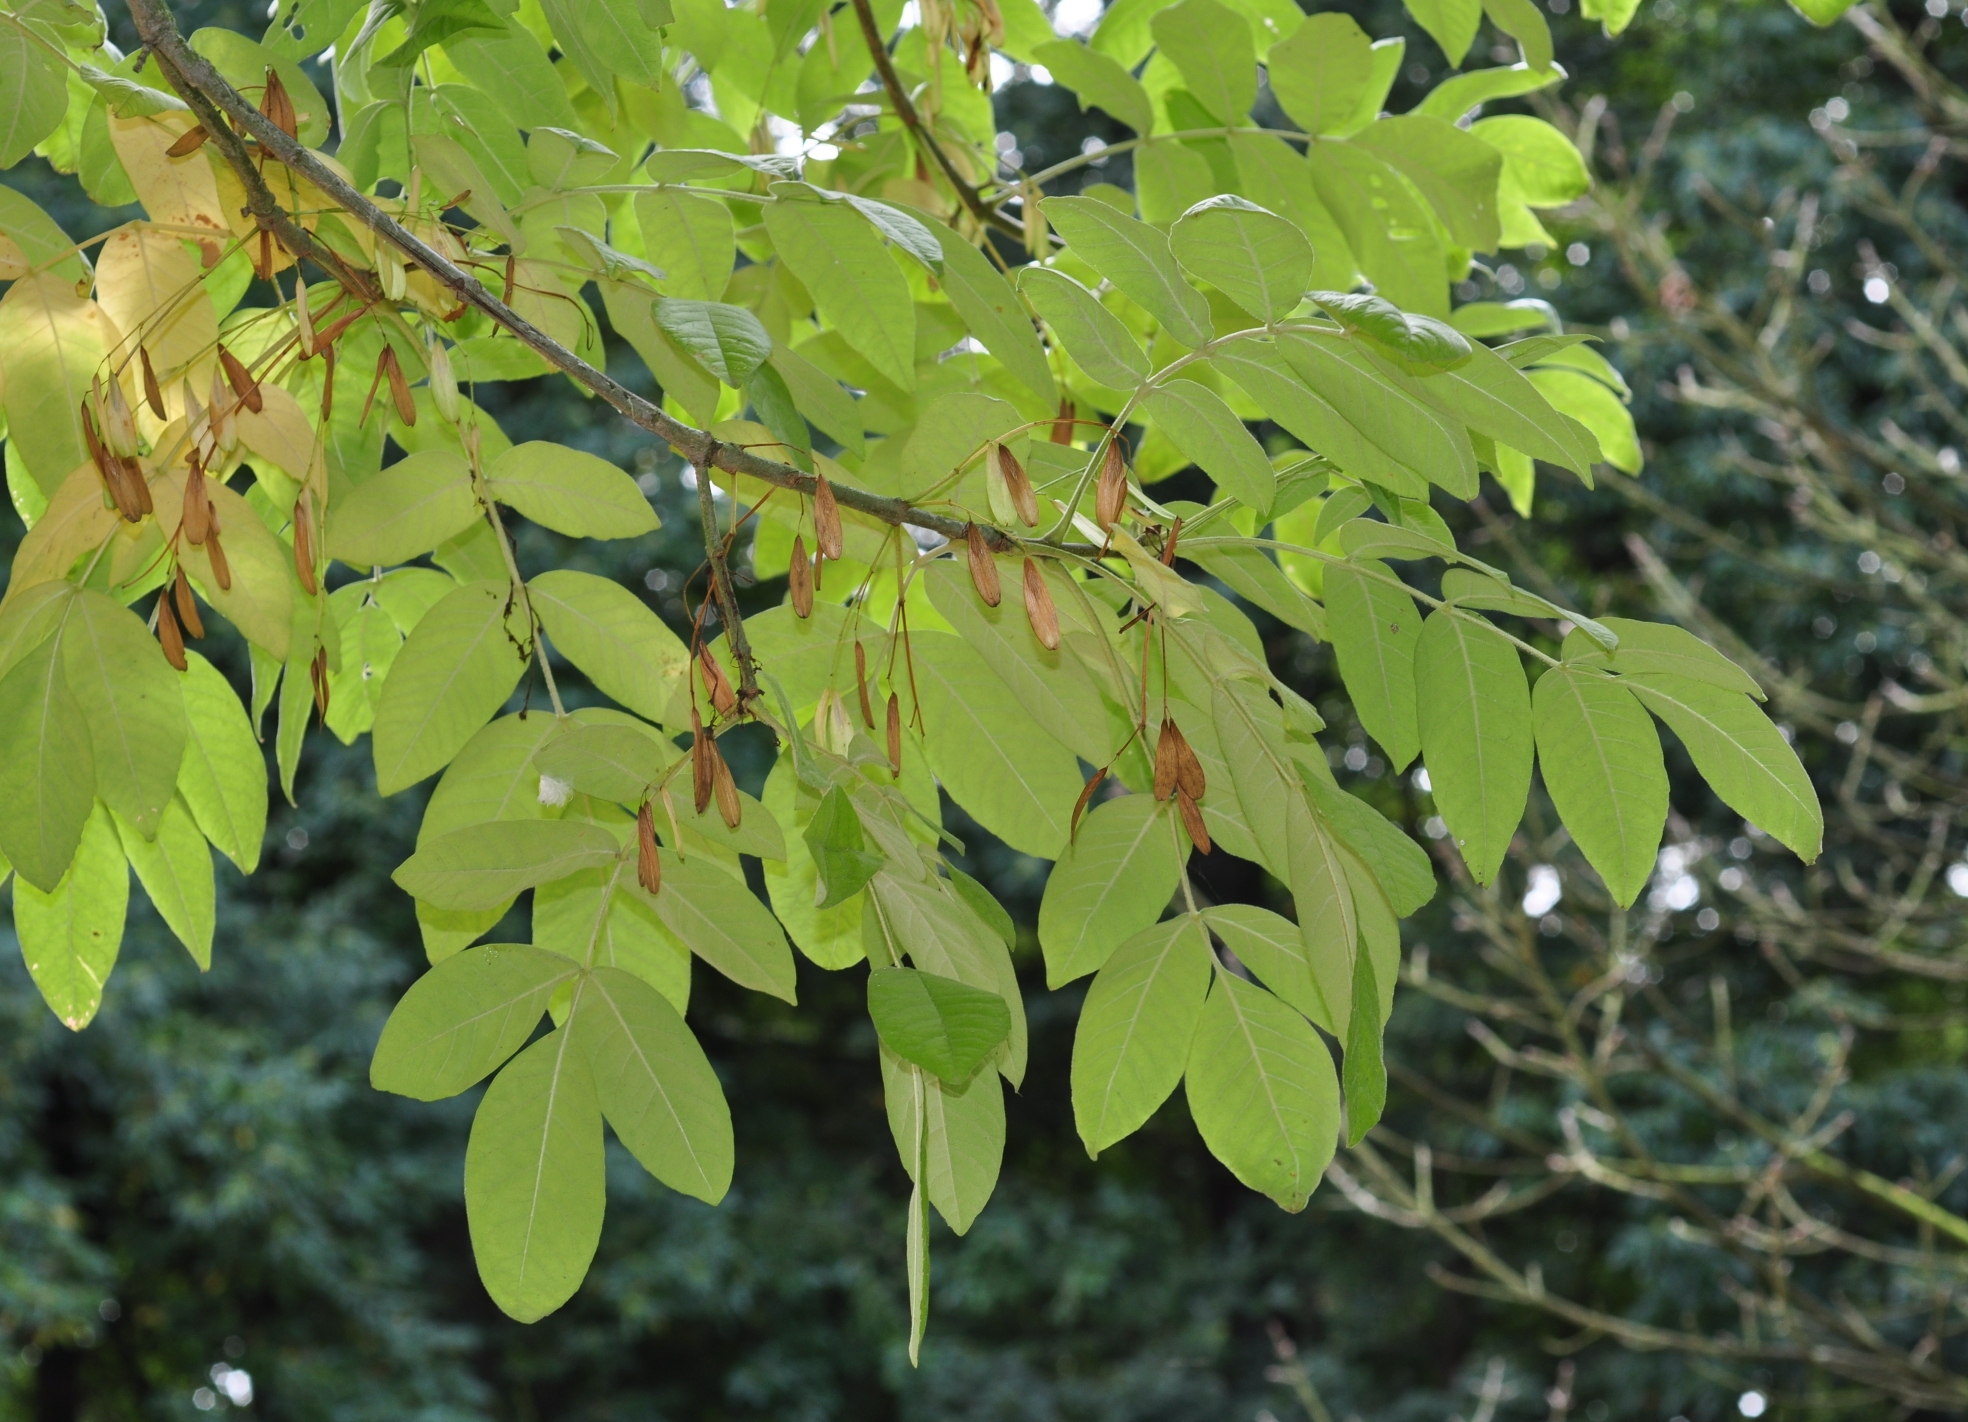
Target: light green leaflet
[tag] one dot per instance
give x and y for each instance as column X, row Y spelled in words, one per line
column 1473, row 708
column 408, row 509
column 69, row 937
column 482, row 866
column 1005, row 768
column 454, row 672
column 492, row 778
column 1092, row 335
column 48, row 774
column 1205, row 429
column 570, row 492
column 830, row 937
column 534, row 1190
column 654, row 1084
column 727, row 340
column 1274, row 949
column 1320, row 73
column 1663, row 649
column 1741, row 754
column 1211, row 47
column 718, row 919
column 615, row 762
column 175, row 869
column 1254, row 257
column 1375, row 629
column 691, row 238
column 130, row 703
column 1451, row 24
column 1132, row 1043
column 610, row 634
column 37, row 94
column 1365, row 1075
column 856, row 285
column 941, row 1025
column 1601, row 760
column 1136, row 258
column 1098, row 81
column 963, row 1136
column 462, row 1019
column 1261, row 1087
column 593, row 917
column 1113, row 881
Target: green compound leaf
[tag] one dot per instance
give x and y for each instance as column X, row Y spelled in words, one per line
column 944, row 1026
column 1132, row 1043
column 1741, row 754
column 70, row 937
column 570, row 492
column 728, row 340
column 48, row 773
column 1601, row 759
column 1365, row 1067
column 842, row 861
column 406, row 510
column 1136, row 258
column 131, row 705
column 175, row 869
column 1113, row 881
column 1263, row 1092
column 482, row 866
column 654, row 1084
column 534, row 1189
column 1375, row 629
column 463, row 1018
column 1474, row 710
column 963, row 1136
column 452, row 675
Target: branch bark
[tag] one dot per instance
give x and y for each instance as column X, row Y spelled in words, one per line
column 717, row 551
column 905, row 109
column 215, row 101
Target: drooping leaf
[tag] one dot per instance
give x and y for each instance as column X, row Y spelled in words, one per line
column 570, row 491
column 460, row 1021
column 842, row 861
column 453, row 674
column 1321, row 72
column 534, row 1190
column 1262, row 1089
column 944, row 1026
column 175, row 868
column 1375, row 629
column 1211, row 47
column 1203, row 427
column 1661, row 648
column 48, row 773
column 131, row 704
column 1601, row 760
column 481, row 866
column 222, row 777
column 717, row 917
column 1092, row 335
column 1473, row 708
column 1099, row 81
column 1136, row 258
column 654, row 1084
column 854, row 282
column 727, row 340
column 408, row 509
column 1258, row 259
column 1365, row 1067
column 1132, row 1043
column 1273, row 948
column 963, row 1136
column 610, row 634
column 69, row 937
column 1112, row 882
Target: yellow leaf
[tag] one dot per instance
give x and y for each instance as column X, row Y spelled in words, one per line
column 51, row 342
column 180, row 193
column 149, row 284
column 280, row 433
column 75, row 522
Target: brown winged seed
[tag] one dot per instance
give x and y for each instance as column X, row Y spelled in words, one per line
column 725, row 789
column 649, row 868
column 304, row 544
column 187, row 609
column 799, row 578
column 1110, row 494
column 1039, row 608
column 277, row 106
column 1167, row 760
column 190, row 141
column 197, row 524
column 1019, row 486
column 826, row 519
column 983, row 567
column 895, row 732
column 1192, row 820
column 168, row 635
column 716, row 684
column 700, row 763
column 241, row 380
column 861, row 682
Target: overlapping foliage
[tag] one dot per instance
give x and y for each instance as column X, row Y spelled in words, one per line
column 789, row 215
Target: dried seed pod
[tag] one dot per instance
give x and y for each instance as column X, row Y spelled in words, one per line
column 187, row 607
column 1168, row 544
column 119, row 429
column 1079, row 805
column 139, row 487
column 214, row 550
column 392, row 370
column 1167, row 761
column 168, row 636
column 304, row 544
column 1019, row 485
column 895, row 732
column 241, row 380
column 826, row 519
column 799, row 578
column 1039, row 608
column 197, row 521
column 189, row 142
column 1062, row 427
column 861, row 681
column 303, row 318
column 327, row 384
column 318, row 675
column 277, row 106
column 983, row 567
column 725, row 790
column 1192, row 820
column 443, row 385
column 1110, row 493
column 701, row 751
column 153, row 392
column 1188, row 769
column 649, row 867
column 716, row 684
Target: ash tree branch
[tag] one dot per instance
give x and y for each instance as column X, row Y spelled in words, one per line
column 717, row 551
column 215, row 102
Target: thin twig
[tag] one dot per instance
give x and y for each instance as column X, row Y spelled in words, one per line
column 718, row 553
